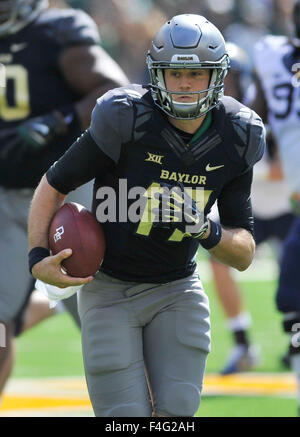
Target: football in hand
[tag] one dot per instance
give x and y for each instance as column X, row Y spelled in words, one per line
column 74, row 227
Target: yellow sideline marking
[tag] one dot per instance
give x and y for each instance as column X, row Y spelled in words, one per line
column 250, row 383
column 23, row 403
column 71, row 393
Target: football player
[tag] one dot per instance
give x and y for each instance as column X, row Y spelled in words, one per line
column 277, row 101
column 55, row 69
column 145, row 312
column 272, row 220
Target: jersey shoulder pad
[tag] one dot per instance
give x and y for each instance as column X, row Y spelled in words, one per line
column 69, row 27
column 114, row 115
column 120, row 100
column 247, row 132
column 268, row 44
column 267, row 55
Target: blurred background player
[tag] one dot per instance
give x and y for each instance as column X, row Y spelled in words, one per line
column 55, row 71
column 277, row 100
column 272, row 220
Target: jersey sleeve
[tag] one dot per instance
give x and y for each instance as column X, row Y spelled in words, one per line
column 72, row 27
column 234, row 203
column 82, row 162
column 111, row 124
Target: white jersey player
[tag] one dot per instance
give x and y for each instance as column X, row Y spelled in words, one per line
column 272, row 220
column 276, row 66
column 277, row 60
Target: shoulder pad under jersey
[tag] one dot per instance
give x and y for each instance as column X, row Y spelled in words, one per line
column 113, row 118
column 246, row 132
column 265, row 49
column 270, row 42
column 69, row 27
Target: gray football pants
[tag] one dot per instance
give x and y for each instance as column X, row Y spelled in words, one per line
column 131, row 331
column 14, row 274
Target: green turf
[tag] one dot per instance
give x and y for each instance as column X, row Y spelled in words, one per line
column 237, row 406
column 53, row 349
column 266, row 331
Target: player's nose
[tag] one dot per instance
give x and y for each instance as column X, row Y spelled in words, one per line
column 184, row 83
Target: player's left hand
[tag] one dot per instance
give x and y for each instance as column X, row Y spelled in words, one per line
column 178, row 210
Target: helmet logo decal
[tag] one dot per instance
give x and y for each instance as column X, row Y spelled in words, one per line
column 182, row 58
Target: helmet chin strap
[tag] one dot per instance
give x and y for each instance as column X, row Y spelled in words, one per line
column 188, row 109
column 185, row 110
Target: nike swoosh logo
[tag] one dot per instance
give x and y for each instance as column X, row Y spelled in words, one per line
column 18, row 47
column 209, row 168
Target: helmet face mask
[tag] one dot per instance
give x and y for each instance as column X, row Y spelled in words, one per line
column 207, row 98
column 187, row 41
column 16, row 14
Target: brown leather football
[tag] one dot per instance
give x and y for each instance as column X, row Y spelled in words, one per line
column 74, row 227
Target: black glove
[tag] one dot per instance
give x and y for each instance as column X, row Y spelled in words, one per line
column 177, row 210
column 33, row 135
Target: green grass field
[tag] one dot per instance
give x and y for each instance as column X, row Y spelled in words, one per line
column 53, row 349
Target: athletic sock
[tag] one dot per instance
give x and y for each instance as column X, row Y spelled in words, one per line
column 241, row 337
column 239, row 326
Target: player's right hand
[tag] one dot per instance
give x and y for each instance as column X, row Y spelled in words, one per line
column 31, row 136
column 176, row 209
column 49, row 270
column 39, row 132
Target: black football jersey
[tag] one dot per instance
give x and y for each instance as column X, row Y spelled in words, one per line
column 145, row 150
column 35, row 85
